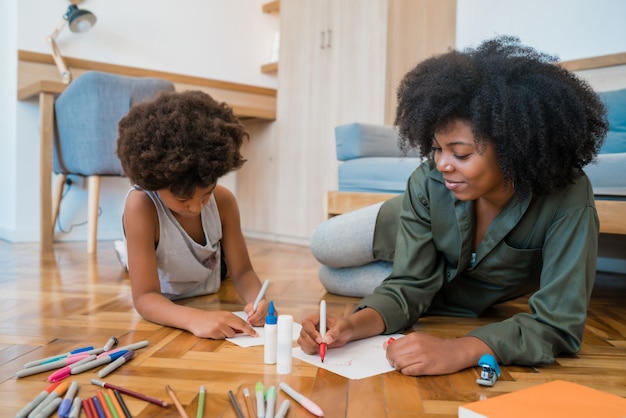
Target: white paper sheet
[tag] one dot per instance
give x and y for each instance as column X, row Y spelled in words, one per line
column 249, row 341
column 355, row 360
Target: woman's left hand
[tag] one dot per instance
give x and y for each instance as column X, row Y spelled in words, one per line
column 418, row 354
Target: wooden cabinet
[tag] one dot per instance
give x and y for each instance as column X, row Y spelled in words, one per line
column 340, row 62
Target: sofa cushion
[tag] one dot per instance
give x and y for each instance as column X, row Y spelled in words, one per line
column 356, row 140
column 615, row 102
column 376, row 174
column 605, row 176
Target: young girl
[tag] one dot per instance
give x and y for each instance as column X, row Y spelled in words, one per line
column 181, row 228
column 501, row 210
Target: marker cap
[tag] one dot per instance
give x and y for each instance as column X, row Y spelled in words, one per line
column 271, row 318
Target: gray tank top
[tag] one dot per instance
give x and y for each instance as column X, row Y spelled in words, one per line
column 185, row 267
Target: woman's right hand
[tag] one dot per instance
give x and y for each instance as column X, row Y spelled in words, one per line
column 339, row 333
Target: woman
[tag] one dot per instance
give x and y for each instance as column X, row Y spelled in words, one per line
column 501, row 210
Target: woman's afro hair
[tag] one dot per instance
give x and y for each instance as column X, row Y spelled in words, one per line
column 546, row 123
column 179, row 141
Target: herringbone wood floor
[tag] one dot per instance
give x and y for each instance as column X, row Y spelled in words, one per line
column 53, row 303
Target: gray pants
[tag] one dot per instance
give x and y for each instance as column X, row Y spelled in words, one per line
column 344, row 246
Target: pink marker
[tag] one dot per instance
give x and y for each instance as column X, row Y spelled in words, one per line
column 308, row 404
column 64, row 372
column 52, row 365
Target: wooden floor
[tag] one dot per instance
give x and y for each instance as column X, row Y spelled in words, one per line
column 56, row 302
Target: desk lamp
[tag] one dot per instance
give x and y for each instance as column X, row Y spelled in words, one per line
column 78, row 21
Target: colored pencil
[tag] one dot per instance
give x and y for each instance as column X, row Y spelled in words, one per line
column 98, row 407
column 131, row 393
column 110, row 405
column 248, row 399
column 202, row 393
column 176, row 402
column 235, row 404
column 120, row 399
column 87, row 407
column 116, row 403
column 104, row 404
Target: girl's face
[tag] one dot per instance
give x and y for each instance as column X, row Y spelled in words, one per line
column 187, row 207
column 469, row 172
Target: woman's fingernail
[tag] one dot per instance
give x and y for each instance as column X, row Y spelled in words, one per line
column 389, row 341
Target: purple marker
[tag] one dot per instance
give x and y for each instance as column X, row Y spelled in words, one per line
column 97, row 362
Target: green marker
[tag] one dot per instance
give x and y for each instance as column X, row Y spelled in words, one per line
column 260, row 399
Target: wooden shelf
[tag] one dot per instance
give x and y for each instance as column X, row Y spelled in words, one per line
column 37, row 72
column 272, row 7
column 270, row 68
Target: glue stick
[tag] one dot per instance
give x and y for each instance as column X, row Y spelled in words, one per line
column 284, row 344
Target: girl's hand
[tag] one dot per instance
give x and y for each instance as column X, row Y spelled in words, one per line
column 419, row 354
column 257, row 318
column 218, row 325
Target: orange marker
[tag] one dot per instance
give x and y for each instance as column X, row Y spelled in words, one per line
column 56, row 393
column 177, row 403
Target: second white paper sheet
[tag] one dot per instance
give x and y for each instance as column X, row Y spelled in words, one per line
column 355, row 360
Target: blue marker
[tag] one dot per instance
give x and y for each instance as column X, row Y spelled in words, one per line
column 99, row 406
column 66, row 403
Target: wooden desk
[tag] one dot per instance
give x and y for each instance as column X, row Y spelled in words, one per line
column 46, row 90
column 36, row 78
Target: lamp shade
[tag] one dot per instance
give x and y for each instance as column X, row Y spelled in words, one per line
column 79, row 20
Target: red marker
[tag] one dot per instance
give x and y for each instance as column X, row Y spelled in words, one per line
column 389, row 341
column 323, row 329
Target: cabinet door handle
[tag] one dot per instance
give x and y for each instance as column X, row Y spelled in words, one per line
column 329, row 38
column 322, row 39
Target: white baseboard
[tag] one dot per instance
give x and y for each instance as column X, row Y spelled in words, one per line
column 285, row 239
column 22, row 235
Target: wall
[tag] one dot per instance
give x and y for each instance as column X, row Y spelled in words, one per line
column 224, row 39
column 8, row 81
column 571, row 29
column 220, row 39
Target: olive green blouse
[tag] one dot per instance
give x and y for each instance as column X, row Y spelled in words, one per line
column 546, row 245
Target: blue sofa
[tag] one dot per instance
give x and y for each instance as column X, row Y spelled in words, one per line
column 372, row 168
column 371, row 161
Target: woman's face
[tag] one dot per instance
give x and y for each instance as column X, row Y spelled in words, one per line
column 469, row 172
